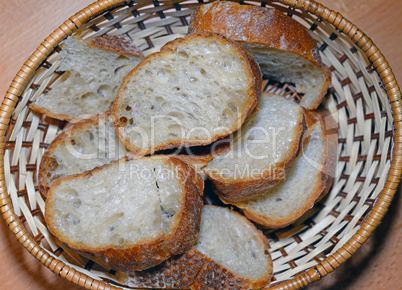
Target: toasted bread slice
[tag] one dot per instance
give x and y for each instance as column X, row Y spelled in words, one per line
column 284, row 49
column 230, row 253
column 309, row 179
column 131, row 214
column 93, row 69
column 86, row 145
column 195, row 90
column 261, row 152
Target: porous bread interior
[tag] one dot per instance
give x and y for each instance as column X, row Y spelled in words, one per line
column 236, row 245
column 262, row 142
column 90, row 82
column 290, row 195
column 86, row 148
column 192, row 92
column 285, row 66
column 119, row 206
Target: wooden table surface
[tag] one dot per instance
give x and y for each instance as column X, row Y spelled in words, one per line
column 25, row 23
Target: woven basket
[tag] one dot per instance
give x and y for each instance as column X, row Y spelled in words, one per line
column 364, row 97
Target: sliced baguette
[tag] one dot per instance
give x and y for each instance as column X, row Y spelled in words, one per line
column 230, row 253
column 282, row 46
column 195, row 90
column 86, row 145
column 309, row 179
column 131, row 214
column 261, row 152
column 94, row 70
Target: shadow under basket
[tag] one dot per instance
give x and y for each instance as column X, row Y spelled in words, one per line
column 364, row 98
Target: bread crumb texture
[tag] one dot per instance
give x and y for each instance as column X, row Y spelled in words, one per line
column 194, row 91
column 89, row 144
column 109, row 208
column 93, row 72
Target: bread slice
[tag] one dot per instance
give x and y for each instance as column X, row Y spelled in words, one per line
column 86, row 145
column 93, row 69
column 309, row 179
column 195, row 90
column 230, row 253
column 284, row 49
column 131, row 214
column 261, row 151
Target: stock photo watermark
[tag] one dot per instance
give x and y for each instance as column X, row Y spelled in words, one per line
column 247, row 144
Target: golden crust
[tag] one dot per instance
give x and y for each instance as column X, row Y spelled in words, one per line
column 283, row 32
column 196, row 270
column 322, row 187
column 254, row 77
column 179, row 272
column 186, row 227
column 241, row 190
column 119, row 44
column 260, row 26
column 214, row 276
column 331, row 139
column 153, row 251
column 238, row 190
column 149, row 253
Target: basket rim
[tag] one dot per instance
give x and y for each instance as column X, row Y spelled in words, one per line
column 315, row 273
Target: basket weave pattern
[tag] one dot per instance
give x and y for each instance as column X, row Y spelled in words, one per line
column 364, row 98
